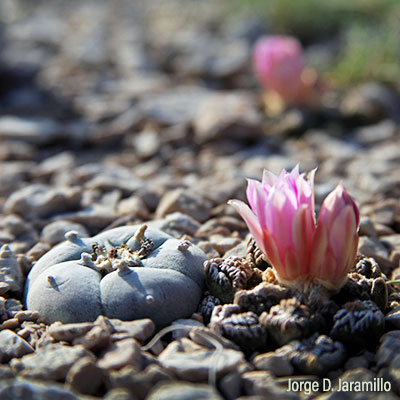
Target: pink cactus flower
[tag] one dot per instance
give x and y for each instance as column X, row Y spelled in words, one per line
column 279, row 65
column 281, row 218
column 335, row 239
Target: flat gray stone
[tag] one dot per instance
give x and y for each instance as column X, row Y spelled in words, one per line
column 279, row 365
column 184, row 201
column 183, row 391
column 13, row 346
column 55, row 231
column 120, row 354
column 85, row 376
column 140, row 329
column 195, row 366
column 19, row 389
column 51, row 362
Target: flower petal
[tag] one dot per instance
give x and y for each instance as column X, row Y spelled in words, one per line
column 269, row 179
column 326, row 272
column 302, row 233
column 318, row 250
column 251, row 221
column 272, row 253
column 295, row 269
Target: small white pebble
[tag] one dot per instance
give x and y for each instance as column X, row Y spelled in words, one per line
column 72, row 236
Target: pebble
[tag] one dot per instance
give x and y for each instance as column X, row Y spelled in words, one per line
column 12, row 389
column 54, row 232
column 27, row 315
column 15, row 225
column 33, row 131
column 11, row 323
column 231, row 386
column 138, row 383
column 6, row 373
column 214, row 226
column 50, row 362
column 224, row 244
column 392, row 241
column 119, row 394
column 227, row 115
column 278, row 364
column 367, row 227
column 184, row 391
column 357, row 362
column 261, row 383
column 97, row 338
column 38, row 250
column 376, row 133
column 16, row 150
column 392, row 318
column 114, row 179
column 63, row 161
column 208, row 248
column 120, row 354
column 177, row 224
column 388, row 349
column 195, row 366
column 187, row 325
column 373, row 247
column 68, row 332
column 134, row 207
column 10, row 270
column 207, row 338
column 176, row 106
column 183, row 201
column 39, row 201
column 13, row 345
column 372, row 100
column 95, row 217
column 85, row 376
column 140, row 329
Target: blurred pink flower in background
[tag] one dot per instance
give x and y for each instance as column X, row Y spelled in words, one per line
column 281, row 219
column 279, row 65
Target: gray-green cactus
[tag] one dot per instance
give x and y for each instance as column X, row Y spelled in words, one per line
column 127, row 273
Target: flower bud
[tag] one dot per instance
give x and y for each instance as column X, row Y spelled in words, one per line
column 278, row 63
column 335, row 240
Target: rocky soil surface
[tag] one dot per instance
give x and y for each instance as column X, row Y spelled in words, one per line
column 117, row 113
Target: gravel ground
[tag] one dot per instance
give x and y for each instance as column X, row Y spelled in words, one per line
column 117, row 113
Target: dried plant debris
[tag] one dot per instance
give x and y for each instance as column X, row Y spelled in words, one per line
column 393, row 300
column 255, row 256
column 225, row 276
column 290, row 320
column 379, row 293
column 358, row 324
column 368, row 267
column 392, row 319
column 261, row 298
column 389, row 347
column 358, row 287
column 316, row 355
column 244, row 329
column 221, row 312
column 207, row 305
